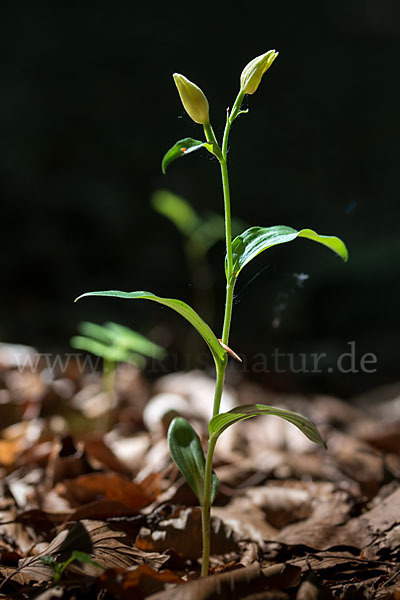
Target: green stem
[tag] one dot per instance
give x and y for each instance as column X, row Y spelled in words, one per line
column 219, row 387
column 228, row 219
column 206, row 507
column 230, row 276
column 228, row 312
column 230, row 284
column 210, row 137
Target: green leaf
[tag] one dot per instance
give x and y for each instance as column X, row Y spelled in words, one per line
column 48, row 560
column 187, row 454
column 85, row 558
column 181, row 148
column 180, row 307
column 115, row 342
column 220, row 422
column 95, row 331
column 177, row 210
column 132, row 340
column 110, row 353
column 249, row 244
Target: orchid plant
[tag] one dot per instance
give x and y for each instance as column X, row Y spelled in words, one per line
column 115, row 344
column 184, row 443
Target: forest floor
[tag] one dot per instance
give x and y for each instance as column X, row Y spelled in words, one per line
column 94, row 486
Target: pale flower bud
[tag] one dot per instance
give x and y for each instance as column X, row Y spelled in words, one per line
column 193, row 99
column 253, row 72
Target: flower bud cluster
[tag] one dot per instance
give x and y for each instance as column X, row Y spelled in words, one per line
column 195, row 101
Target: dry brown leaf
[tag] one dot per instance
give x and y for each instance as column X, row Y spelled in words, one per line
column 383, row 435
column 136, row 583
column 182, row 533
column 66, row 461
column 109, row 486
column 310, row 504
column 374, row 532
column 309, row 591
column 131, row 450
column 249, row 553
column 10, row 450
column 235, row 584
column 281, row 504
column 38, row 520
column 244, row 522
column 17, row 536
column 358, row 461
column 109, row 547
column 102, row 456
column 100, row 510
column 51, row 594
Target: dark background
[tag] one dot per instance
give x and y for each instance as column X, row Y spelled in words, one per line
column 87, row 109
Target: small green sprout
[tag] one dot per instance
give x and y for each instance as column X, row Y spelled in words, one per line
column 59, row 567
column 184, row 443
column 115, row 344
column 199, row 234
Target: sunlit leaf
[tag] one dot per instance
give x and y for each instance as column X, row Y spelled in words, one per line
column 132, row 340
column 251, row 242
column 48, row 560
column 110, row 353
column 180, row 307
column 202, row 231
column 95, row 331
column 187, row 454
column 177, row 210
column 220, row 422
column 181, row 148
column 115, row 342
column 85, row 558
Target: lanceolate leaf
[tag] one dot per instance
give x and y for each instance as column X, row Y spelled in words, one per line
column 181, row 148
column 187, row 454
column 176, row 209
column 96, row 332
column 132, row 340
column 180, row 307
column 250, row 243
column 112, row 353
column 85, row 558
column 220, row 422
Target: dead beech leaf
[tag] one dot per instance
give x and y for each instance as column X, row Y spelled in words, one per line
column 37, row 519
column 280, row 504
column 108, row 486
column 308, row 591
column 235, row 584
column 136, row 583
column 109, row 547
column 16, row 536
column 101, row 509
column 9, row 558
column 51, row 594
column 339, row 570
column 152, row 484
column 97, row 450
column 374, row 532
column 358, row 461
column 182, row 533
column 65, row 461
column 250, row 553
column 245, row 522
column 9, row 451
